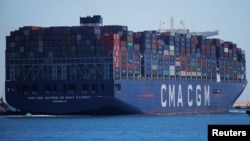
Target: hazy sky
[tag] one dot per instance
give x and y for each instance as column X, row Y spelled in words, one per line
column 230, row 17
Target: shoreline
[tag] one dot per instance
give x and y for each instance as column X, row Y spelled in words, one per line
column 241, row 105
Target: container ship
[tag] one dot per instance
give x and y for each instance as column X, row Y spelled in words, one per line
column 96, row 69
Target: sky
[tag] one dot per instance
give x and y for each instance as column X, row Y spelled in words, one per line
column 230, row 17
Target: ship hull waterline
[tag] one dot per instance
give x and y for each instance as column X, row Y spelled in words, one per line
column 136, row 97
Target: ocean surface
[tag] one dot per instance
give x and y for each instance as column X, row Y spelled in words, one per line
column 116, row 128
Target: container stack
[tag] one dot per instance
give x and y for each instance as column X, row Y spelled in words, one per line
column 144, row 39
column 92, row 51
column 160, row 49
column 130, row 53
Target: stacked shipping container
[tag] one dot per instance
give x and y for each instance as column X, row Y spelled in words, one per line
column 92, row 51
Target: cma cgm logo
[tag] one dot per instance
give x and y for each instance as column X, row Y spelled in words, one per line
column 195, row 95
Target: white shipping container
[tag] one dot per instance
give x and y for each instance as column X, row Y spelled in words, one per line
column 188, row 36
column 240, row 76
column 177, row 63
column 198, row 73
column 189, row 73
column 172, row 72
column 183, row 73
column 178, row 73
column 225, row 49
column 154, row 67
column 171, row 47
column 243, row 52
column 171, row 52
column 172, row 68
column 194, row 74
column 166, row 52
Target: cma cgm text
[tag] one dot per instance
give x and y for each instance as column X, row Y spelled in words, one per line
column 196, row 95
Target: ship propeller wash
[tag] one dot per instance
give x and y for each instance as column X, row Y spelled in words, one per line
column 108, row 69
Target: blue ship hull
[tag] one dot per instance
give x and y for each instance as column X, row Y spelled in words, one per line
column 129, row 97
column 179, row 96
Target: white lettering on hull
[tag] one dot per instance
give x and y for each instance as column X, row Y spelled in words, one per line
column 180, row 100
column 163, row 101
column 195, row 96
column 171, row 96
column 198, row 95
column 58, row 99
column 190, row 102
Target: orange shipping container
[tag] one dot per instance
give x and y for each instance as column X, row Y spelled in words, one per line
column 35, row 28
column 130, row 38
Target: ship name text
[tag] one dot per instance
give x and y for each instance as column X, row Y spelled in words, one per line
column 173, row 96
column 57, row 99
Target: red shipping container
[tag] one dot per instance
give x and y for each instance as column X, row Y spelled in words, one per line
column 130, row 38
column 208, row 74
column 183, row 58
column 136, row 46
column 234, row 48
column 123, row 49
column 124, row 65
column 154, row 72
column 160, row 42
column 177, row 34
column 166, row 57
column 117, row 53
column 137, row 58
column 193, row 44
column 117, row 59
column 35, row 28
column 130, row 66
column 154, row 46
column 188, row 69
column 123, row 43
column 117, row 64
column 153, row 41
column 213, row 47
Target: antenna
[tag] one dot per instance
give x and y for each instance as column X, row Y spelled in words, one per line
column 162, row 26
column 172, row 22
column 182, row 24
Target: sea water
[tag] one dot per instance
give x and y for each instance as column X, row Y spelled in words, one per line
column 190, row 127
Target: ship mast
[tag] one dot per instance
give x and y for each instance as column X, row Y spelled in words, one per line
column 183, row 30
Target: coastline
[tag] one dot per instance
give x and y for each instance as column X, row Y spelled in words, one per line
column 241, row 105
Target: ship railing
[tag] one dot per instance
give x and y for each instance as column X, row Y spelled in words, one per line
column 179, row 77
